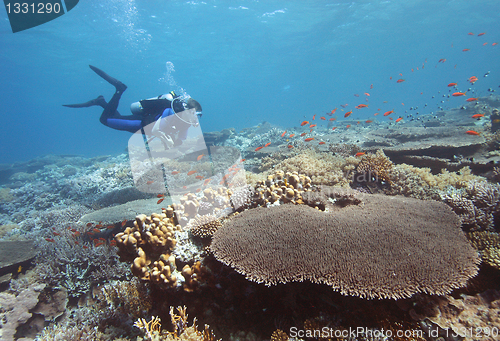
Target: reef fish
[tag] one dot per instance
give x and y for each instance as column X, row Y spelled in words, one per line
column 472, row 132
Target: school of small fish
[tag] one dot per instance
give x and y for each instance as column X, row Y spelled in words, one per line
column 453, row 92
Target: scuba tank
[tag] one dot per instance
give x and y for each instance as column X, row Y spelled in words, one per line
column 153, row 105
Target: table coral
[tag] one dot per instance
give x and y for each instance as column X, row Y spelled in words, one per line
column 371, row 246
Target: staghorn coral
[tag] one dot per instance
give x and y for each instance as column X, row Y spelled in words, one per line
column 182, row 330
column 488, row 244
column 129, row 298
column 478, row 206
column 348, row 248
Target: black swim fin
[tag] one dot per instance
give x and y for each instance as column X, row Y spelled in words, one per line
column 113, row 81
column 100, row 101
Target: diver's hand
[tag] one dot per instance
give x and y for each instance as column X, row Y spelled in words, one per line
column 166, row 140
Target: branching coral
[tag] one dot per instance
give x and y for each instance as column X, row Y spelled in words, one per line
column 488, row 244
column 374, row 169
column 478, row 206
column 182, row 331
column 280, row 187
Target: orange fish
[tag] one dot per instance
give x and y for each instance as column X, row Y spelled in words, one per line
column 368, row 121
column 376, row 114
column 334, row 128
column 304, row 123
column 333, row 111
column 312, row 126
column 470, row 33
column 481, row 34
column 442, row 60
column 323, row 118
column 89, row 224
column 207, row 181
column 387, row 113
column 359, row 106
column 472, row 132
column 160, row 195
column 367, row 94
column 290, row 146
column 400, row 80
column 50, row 240
column 242, row 160
column 291, row 135
column 199, row 177
column 97, row 230
column 472, row 79
column 452, row 84
column 347, row 113
column 314, row 117
column 282, row 135
column 258, row 148
column 267, row 144
column 199, row 157
column 191, row 172
column 309, row 139
column 371, row 86
column 485, row 44
column 399, row 119
column 465, row 50
column 159, row 201
column 322, row 142
column 493, row 44
column 477, row 115
column 332, row 119
column 149, row 182
column 348, row 126
column 360, row 154
column 174, row 173
column 472, row 99
column 456, row 94
column 55, row 233
column 303, row 134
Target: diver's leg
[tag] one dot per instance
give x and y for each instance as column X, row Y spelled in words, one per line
column 110, row 110
column 100, row 101
column 113, row 81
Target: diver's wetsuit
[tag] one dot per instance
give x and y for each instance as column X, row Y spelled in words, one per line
column 154, row 109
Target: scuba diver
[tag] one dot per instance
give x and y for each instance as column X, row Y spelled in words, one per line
column 172, row 115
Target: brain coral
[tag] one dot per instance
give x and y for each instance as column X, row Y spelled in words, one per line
column 373, row 247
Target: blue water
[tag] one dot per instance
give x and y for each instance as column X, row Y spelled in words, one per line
column 244, row 61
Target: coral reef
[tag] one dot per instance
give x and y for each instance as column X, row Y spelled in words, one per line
column 280, row 187
column 148, row 245
column 322, row 168
column 478, row 205
column 488, row 244
column 347, row 247
column 15, row 309
column 204, row 226
column 182, row 330
column 470, row 317
column 374, row 169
